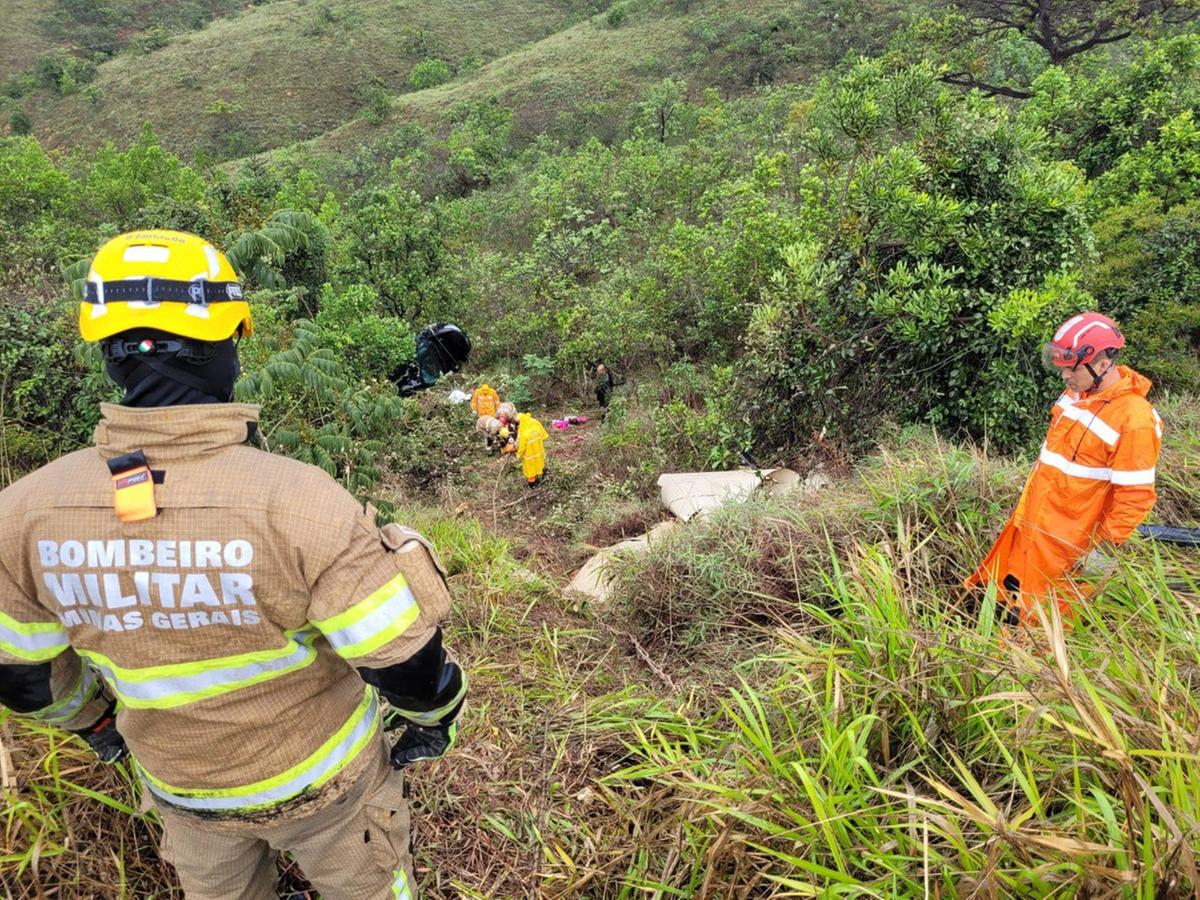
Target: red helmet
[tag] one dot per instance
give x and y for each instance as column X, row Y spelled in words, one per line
column 1081, row 339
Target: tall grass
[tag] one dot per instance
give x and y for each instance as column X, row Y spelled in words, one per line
column 875, row 737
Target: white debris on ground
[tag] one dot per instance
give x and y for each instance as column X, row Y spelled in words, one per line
column 688, row 496
column 590, row 582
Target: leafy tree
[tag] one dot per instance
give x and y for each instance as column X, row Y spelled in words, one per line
column 1147, row 277
column 371, row 346
column 1095, row 116
column 120, row 183
column 261, row 255
column 661, row 106
column 94, row 27
column 1063, row 29
column 376, row 103
column 478, row 143
column 315, row 411
column 36, row 202
column 45, row 390
column 63, row 73
column 393, row 242
column 933, row 227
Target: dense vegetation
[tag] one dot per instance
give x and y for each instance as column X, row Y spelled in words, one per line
column 797, row 228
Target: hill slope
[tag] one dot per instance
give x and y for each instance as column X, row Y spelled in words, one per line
column 283, row 72
column 21, row 40
column 586, row 63
column 292, row 70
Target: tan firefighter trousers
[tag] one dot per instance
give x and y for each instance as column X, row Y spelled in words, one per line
column 355, row 848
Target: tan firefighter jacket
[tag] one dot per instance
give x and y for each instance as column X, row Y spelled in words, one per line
column 230, row 625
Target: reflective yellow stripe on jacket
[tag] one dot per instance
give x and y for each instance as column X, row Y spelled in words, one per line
column 31, row 641
column 369, row 624
column 400, row 889
column 66, row 708
column 164, row 687
column 329, row 759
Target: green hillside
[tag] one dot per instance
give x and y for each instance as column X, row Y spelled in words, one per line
column 21, row 39
column 591, row 64
column 294, row 70
column 283, row 72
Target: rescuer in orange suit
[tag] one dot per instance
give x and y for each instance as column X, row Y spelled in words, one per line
column 1093, row 482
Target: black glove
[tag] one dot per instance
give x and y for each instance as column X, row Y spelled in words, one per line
column 419, row 743
column 104, row 739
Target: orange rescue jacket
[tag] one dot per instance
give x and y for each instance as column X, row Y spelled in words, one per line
column 1093, row 482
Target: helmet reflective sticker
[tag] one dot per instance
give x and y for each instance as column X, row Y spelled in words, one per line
column 214, row 261
column 1067, row 326
column 146, row 253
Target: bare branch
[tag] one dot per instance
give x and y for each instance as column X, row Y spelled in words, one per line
column 964, row 79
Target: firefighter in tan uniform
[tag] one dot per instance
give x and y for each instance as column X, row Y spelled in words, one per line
column 233, row 617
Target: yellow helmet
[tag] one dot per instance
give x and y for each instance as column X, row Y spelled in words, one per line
column 170, row 280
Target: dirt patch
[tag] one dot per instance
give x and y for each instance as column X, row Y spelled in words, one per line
column 631, row 524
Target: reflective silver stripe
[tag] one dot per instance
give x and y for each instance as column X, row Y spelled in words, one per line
column 176, row 690
column 1090, row 421
column 314, row 770
column 376, row 622
column 1132, row 478
column 1158, row 423
column 435, row 716
column 41, row 645
column 1064, row 465
column 400, row 889
column 68, row 707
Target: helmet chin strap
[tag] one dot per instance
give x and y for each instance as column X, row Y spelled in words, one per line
column 1096, row 379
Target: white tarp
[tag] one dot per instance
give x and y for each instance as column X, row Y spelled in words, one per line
column 689, row 494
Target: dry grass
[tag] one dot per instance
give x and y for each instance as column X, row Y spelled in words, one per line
column 21, row 40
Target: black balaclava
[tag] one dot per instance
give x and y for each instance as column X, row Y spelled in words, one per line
column 172, row 378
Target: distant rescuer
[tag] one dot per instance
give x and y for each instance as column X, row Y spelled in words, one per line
column 219, row 608
column 1093, row 482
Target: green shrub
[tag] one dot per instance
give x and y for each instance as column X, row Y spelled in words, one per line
column 155, row 38
column 479, row 143
column 17, row 85
column 1148, row 273
column 63, row 73
column 330, row 16
column 119, row 183
column 429, row 73
column 370, row 346
column 19, row 123
column 316, row 411
column 943, row 213
column 47, row 391
column 376, row 103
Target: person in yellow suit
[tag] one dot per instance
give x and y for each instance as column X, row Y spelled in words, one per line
column 486, row 401
column 531, row 447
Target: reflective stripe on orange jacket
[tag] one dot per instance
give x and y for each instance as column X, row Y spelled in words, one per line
column 1093, row 482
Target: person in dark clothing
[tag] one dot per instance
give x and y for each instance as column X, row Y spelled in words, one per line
column 605, row 382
